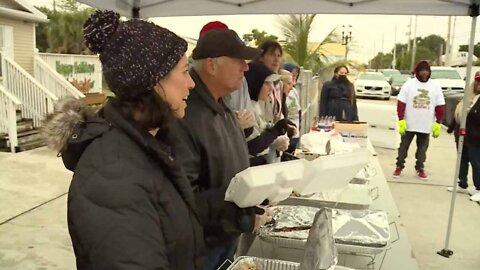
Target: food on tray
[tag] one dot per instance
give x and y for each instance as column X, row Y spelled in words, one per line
column 248, row 266
column 292, row 229
column 290, row 222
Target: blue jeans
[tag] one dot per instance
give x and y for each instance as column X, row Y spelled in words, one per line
column 463, row 172
column 474, row 157
column 218, row 255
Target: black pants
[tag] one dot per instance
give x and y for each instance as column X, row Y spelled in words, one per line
column 422, row 146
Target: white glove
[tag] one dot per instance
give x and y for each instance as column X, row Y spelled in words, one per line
column 281, row 143
column 260, row 220
column 246, row 119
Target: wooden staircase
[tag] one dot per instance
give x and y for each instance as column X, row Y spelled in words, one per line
column 28, row 136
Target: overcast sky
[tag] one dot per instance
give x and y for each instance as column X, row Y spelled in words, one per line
column 370, row 33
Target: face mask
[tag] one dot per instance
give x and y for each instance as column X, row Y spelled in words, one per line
column 342, row 78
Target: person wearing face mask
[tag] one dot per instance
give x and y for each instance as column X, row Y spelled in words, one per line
column 338, row 97
column 454, row 127
column 420, row 109
column 130, row 206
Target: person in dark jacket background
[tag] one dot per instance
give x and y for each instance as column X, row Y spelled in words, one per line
column 454, row 127
column 130, row 205
column 472, row 141
column 337, row 98
column 211, row 145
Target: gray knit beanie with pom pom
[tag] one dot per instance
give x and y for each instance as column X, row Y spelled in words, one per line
column 135, row 54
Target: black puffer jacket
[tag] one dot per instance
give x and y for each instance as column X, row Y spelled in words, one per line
column 129, row 204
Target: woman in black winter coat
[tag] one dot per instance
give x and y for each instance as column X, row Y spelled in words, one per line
column 472, row 138
column 338, row 97
column 129, row 204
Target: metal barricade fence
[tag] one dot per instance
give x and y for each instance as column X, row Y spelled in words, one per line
column 309, row 87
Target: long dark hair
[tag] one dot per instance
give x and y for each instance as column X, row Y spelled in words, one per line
column 351, row 88
column 268, row 46
column 148, row 111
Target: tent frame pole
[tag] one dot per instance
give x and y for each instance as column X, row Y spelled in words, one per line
column 136, row 9
column 474, row 12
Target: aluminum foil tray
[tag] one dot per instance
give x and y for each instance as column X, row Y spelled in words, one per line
column 368, row 228
column 292, row 222
column 262, row 264
column 270, row 264
column 355, row 231
column 354, row 196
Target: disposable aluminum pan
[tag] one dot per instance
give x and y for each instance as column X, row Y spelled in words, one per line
column 354, row 196
column 270, row 264
column 290, row 222
column 361, row 231
column 355, row 231
column 368, row 228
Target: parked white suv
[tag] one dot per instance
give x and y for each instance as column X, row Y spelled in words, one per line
column 449, row 79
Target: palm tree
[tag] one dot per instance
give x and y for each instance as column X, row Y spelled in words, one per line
column 65, row 31
column 296, row 29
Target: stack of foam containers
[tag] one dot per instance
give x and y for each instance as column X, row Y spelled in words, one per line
column 331, row 172
column 276, row 182
column 382, row 124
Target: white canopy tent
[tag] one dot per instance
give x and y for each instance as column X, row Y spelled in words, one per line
column 164, row 8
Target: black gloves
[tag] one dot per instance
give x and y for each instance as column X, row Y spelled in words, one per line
column 290, row 130
column 281, row 127
column 236, row 219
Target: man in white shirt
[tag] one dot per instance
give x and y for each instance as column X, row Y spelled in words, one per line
column 420, row 109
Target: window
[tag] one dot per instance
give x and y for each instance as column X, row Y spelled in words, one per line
column 445, row 74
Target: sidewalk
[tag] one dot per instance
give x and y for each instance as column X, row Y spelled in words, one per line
column 424, row 207
column 38, row 239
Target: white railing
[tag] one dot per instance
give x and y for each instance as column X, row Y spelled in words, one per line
column 8, row 116
column 37, row 101
column 76, row 67
column 53, row 81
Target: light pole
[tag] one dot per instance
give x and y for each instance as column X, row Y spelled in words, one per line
column 346, row 37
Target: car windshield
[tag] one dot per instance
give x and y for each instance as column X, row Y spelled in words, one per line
column 445, row 74
column 370, row 76
column 390, row 72
column 400, row 79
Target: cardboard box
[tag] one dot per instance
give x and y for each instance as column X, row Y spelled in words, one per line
column 353, row 132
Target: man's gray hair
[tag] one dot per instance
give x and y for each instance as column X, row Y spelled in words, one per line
column 198, row 64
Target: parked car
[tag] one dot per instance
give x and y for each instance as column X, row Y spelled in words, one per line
column 388, row 73
column 449, row 79
column 372, row 84
column 397, row 81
